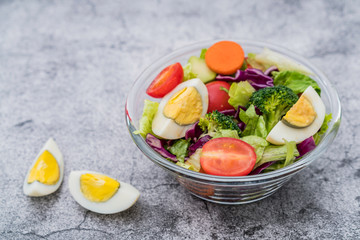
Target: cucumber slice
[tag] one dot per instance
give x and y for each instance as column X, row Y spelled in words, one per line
column 199, row 67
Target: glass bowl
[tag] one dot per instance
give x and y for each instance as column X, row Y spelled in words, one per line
column 219, row 189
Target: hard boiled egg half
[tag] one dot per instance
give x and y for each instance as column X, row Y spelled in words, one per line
column 100, row 193
column 302, row 121
column 46, row 173
column 181, row 108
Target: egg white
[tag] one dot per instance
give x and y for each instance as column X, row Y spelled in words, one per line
column 37, row 189
column 123, row 199
column 282, row 131
column 167, row 128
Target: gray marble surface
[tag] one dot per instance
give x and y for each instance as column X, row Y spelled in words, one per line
column 65, row 70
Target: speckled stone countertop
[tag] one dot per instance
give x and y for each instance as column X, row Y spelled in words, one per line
column 65, row 70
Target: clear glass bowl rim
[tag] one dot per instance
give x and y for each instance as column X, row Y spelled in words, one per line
column 295, row 167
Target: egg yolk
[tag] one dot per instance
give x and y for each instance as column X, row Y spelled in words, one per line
column 97, row 187
column 185, row 107
column 45, row 170
column 302, row 114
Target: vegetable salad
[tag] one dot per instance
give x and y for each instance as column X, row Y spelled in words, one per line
column 227, row 114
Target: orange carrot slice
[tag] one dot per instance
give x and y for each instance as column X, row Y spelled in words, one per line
column 224, row 57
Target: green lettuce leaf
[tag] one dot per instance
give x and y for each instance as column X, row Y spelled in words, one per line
column 284, row 154
column 273, row 167
column 203, row 52
column 145, row 124
column 260, row 129
column 180, row 149
column 250, row 118
column 226, row 133
column 290, row 152
column 255, row 124
column 194, row 160
column 188, row 74
column 296, row 81
column 185, row 165
column 258, row 144
column 324, row 127
column 240, row 93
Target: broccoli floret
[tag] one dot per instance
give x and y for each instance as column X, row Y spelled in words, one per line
column 215, row 121
column 273, row 102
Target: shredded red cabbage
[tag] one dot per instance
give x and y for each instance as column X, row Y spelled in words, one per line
column 261, row 168
column 242, row 125
column 237, row 113
column 239, row 76
column 258, row 79
column 233, row 112
column 257, row 110
column 169, row 143
column 228, row 112
column 198, row 144
column 270, row 70
column 306, row 146
column 158, row 146
column 194, row 132
column 254, row 76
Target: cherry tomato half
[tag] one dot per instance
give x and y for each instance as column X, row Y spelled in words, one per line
column 218, row 99
column 166, row 80
column 227, row 157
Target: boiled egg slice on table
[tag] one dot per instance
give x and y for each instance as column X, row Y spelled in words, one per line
column 100, row 193
column 302, row 121
column 46, row 173
column 180, row 109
